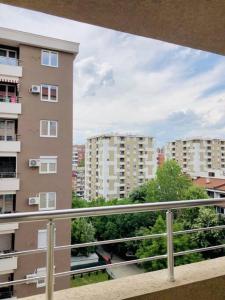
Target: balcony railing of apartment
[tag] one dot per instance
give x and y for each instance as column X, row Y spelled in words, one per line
column 12, row 61
column 9, row 99
column 52, row 216
column 8, row 175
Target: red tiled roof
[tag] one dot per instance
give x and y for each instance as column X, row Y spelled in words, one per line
column 210, row 183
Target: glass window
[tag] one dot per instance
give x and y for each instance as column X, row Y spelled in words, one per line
column 3, row 52
column 48, row 165
column 47, row 201
column 53, row 128
column 45, row 58
column 54, row 59
column 48, row 128
column 49, row 93
column 49, row 58
column 12, row 54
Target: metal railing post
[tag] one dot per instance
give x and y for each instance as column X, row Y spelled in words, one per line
column 170, row 250
column 50, row 260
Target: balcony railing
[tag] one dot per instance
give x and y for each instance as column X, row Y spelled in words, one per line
column 9, row 99
column 52, row 216
column 9, row 61
column 8, row 175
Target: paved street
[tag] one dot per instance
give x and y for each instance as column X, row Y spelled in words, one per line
column 124, row 271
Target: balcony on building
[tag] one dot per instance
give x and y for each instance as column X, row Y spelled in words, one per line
column 9, row 100
column 8, row 136
column 9, row 62
column 8, row 176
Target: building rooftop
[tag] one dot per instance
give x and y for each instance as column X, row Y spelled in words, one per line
column 14, row 38
column 210, row 183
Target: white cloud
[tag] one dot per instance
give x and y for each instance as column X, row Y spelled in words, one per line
column 130, row 83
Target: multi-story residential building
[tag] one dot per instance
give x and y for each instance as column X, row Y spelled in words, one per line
column 78, row 156
column 116, row 164
column 36, row 95
column 160, row 157
column 78, row 181
column 199, row 156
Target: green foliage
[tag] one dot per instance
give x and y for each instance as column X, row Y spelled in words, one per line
column 82, row 231
column 153, row 247
column 188, row 215
column 208, row 217
column 78, row 202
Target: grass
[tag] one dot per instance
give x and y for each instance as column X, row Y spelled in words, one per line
column 86, row 279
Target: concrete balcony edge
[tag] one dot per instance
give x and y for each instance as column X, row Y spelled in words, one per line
column 202, row 280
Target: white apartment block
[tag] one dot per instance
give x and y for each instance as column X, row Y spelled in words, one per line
column 116, row 164
column 199, row 156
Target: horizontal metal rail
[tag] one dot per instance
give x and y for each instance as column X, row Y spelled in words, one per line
column 107, row 210
column 52, row 216
column 119, row 264
column 107, row 242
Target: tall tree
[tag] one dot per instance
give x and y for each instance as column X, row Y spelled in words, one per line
column 82, row 232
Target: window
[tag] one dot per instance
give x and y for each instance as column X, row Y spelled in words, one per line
column 8, row 57
column 49, row 93
column 47, row 201
column 49, row 58
column 42, row 239
column 48, row 128
column 41, row 272
column 48, row 165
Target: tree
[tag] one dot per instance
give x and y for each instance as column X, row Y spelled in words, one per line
column 171, row 183
column 153, row 247
column 189, row 215
column 82, row 232
column 78, row 202
column 208, row 217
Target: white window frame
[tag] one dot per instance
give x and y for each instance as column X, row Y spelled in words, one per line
column 48, row 160
column 47, row 201
column 46, row 242
column 49, row 93
column 49, row 59
column 48, row 125
column 41, row 282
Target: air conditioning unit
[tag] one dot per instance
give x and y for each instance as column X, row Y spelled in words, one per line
column 33, row 163
column 33, row 200
column 35, row 89
column 30, row 277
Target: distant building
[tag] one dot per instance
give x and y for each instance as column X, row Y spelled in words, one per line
column 160, row 157
column 198, row 156
column 78, row 156
column 78, row 181
column 215, row 188
column 116, row 164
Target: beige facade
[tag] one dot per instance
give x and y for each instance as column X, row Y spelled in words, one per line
column 199, row 156
column 116, row 164
column 42, row 163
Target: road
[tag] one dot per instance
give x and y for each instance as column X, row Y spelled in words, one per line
column 128, row 270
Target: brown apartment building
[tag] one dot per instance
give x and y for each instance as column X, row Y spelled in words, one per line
column 36, row 98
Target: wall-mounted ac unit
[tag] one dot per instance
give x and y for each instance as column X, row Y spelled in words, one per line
column 30, row 277
column 33, row 200
column 33, row 163
column 35, row 89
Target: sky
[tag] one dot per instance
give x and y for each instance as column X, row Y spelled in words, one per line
column 129, row 84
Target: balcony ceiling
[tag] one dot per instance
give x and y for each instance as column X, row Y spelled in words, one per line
column 198, row 24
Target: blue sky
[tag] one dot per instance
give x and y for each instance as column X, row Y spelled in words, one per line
column 130, row 84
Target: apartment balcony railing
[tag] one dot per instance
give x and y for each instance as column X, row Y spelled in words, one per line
column 52, row 216
column 8, row 175
column 9, row 99
column 9, row 61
